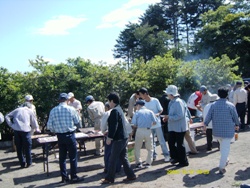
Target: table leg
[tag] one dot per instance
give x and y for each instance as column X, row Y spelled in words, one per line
column 47, row 157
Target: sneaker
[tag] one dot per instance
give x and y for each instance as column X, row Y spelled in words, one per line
column 76, row 179
column 147, row 165
column 222, row 171
column 167, row 158
column 139, row 165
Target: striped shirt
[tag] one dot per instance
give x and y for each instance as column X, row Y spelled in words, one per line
column 63, row 119
column 144, row 118
column 225, row 118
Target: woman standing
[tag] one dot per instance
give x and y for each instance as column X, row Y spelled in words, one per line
column 177, row 127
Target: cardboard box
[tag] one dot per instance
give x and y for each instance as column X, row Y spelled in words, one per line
column 131, row 150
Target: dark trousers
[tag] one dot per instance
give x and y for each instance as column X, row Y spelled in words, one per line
column 107, row 153
column 192, row 111
column 23, row 143
column 119, row 151
column 67, row 144
column 209, row 134
column 241, row 110
column 177, row 152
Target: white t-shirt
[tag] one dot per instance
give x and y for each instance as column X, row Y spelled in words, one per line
column 155, row 106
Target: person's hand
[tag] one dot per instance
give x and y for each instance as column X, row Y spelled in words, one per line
column 237, row 128
column 108, row 141
column 190, row 121
column 165, row 119
column 38, row 130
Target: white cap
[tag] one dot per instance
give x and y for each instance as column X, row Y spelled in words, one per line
column 172, row 90
column 70, row 95
column 29, row 97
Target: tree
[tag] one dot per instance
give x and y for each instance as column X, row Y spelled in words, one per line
column 226, row 31
column 126, row 44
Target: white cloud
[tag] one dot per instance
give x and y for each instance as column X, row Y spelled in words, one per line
column 128, row 12
column 60, row 25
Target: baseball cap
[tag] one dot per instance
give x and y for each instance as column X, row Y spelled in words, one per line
column 89, row 98
column 203, row 88
column 70, row 95
column 29, row 97
column 140, row 102
column 63, row 96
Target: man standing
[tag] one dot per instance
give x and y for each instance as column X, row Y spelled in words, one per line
column 209, row 131
column 117, row 133
column 131, row 104
column 225, row 120
column 72, row 101
column 240, row 102
column 143, row 119
column 154, row 105
column 30, row 99
column 63, row 120
column 193, row 102
column 205, row 99
column 95, row 110
column 21, row 120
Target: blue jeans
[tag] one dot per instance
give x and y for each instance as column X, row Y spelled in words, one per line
column 119, row 151
column 158, row 132
column 23, row 143
column 67, row 144
column 107, row 153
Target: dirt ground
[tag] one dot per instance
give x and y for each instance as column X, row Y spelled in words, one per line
column 202, row 171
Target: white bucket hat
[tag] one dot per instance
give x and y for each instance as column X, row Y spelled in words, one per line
column 172, row 90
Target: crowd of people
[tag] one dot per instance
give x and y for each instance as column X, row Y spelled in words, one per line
column 222, row 113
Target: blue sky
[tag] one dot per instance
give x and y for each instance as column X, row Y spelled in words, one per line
column 61, row 29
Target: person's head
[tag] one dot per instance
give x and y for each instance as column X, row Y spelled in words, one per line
column 29, row 98
column 71, row 96
column 238, row 84
column 107, row 107
column 143, row 93
column 27, row 104
column 89, row 99
column 139, row 104
column 172, row 92
column 246, row 83
column 229, row 86
column 247, row 87
column 223, row 92
column 214, row 97
column 113, row 99
column 203, row 90
column 63, row 97
column 137, row 94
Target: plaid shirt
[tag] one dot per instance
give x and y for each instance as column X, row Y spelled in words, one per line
column 62, row 119
column 225, row 118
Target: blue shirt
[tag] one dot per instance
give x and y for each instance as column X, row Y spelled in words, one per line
column 21, row 119
column 144, row 118
column 63, row 119
column 224, row 116
column 177, row 115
